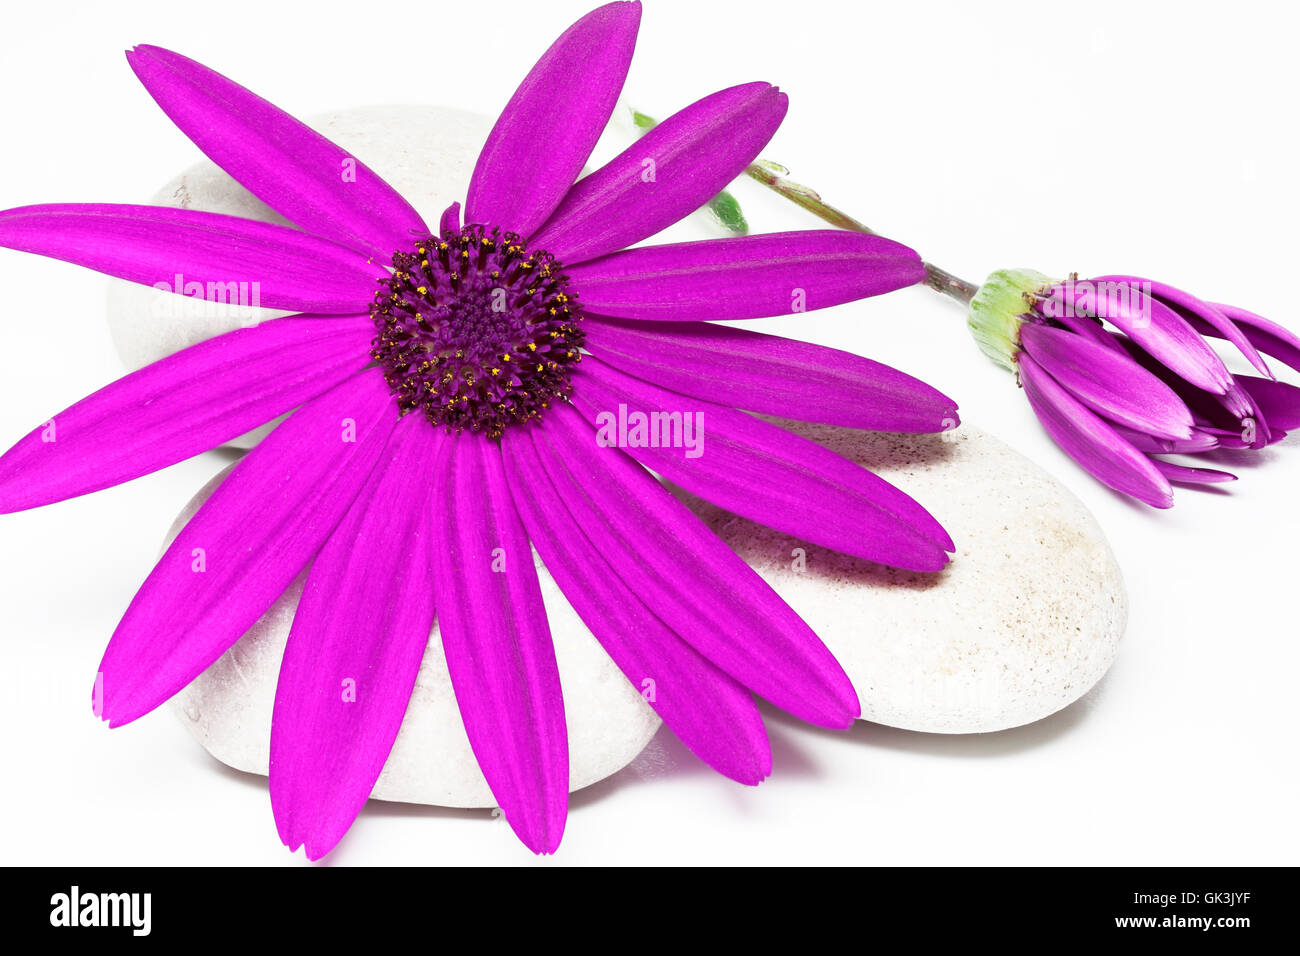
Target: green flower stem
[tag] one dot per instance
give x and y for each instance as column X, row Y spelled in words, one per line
column 775, row 178
column 726, row 211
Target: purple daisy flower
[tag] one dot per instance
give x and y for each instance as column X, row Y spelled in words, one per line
column 488, row 398
column 1119, row 372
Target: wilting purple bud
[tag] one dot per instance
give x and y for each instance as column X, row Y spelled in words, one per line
column 1119, row 371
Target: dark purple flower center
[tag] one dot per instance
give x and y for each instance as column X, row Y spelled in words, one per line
column 476, row 331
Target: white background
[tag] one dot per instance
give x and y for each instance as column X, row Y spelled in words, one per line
column 1114, row 137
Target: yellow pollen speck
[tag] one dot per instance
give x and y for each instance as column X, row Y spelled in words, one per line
column 506, row 357
column 423, row 290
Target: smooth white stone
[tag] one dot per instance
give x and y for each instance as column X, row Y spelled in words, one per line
column 426, row 153
column 228, row 707
column 1024, row 621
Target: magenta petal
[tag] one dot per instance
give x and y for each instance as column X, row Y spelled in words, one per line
column 744, row 278
column 450, row 221
column 1242, row 404
column 772, row 375
column 694, row 583
column 358, row 637
column 289, row 166
column 1090, row 441
column 1192, row 476
column 762, row 472
column 1265, row 334
column 670, row 172
column 1251, row 431
column 712, row 713
column 247, row 543
column 1091, row 329
column 1200, row 314
column 180, row 406
column 1242, row 438
column 497, row 641
column 1234, row 409
column 1199, row 442
column 1108, row 382
column 1150, row 323
column 548, row 129
column 225, row 258
column 1278, row 402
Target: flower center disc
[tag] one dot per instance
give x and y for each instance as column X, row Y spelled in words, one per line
column 475, row 330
